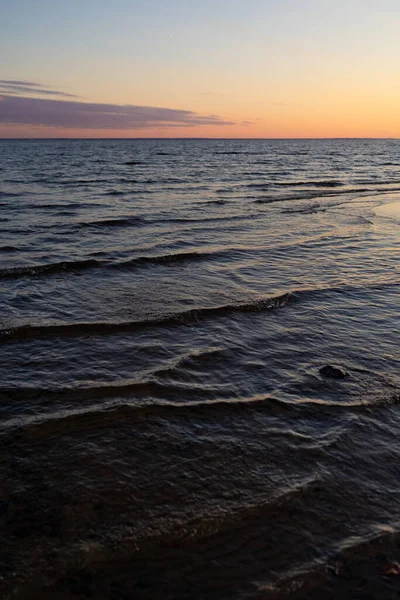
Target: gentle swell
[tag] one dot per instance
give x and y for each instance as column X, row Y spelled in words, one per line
column 305, row 195
column 307, row 210
column 309, row 183
column 231, row 152
column 49, row 269
column 9, row 195
column 9, row 249
column 120, row 222
column 138, row 191
column 206, row 219
column 116, row 406
column 168, row 259
column 76, row 419
column 181, row 318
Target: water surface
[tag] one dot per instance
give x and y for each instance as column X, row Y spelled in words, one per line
column 166, row 308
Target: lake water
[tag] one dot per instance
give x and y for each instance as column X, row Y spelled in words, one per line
column 168, row 428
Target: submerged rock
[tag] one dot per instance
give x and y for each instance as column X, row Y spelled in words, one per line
column 333, row 372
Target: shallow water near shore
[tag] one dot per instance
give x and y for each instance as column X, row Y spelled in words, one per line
column 167, row 307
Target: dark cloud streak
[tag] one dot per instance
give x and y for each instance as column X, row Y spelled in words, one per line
column 7, row 88
column 20, row 110
column 24, row 83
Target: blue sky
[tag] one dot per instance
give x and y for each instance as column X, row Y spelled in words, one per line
column 226, row 57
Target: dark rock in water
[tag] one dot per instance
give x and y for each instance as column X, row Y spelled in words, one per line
column 333, row 372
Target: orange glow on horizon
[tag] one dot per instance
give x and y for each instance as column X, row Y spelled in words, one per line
column 333, row 113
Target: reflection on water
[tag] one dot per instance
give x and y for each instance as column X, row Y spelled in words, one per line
column 391, row 210
column 199, row 369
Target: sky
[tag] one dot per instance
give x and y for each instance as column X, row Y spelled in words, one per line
column 191, row 68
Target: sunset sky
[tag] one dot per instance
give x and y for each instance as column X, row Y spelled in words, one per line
column 209, row 68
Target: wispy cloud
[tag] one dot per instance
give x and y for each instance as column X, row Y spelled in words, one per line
column 22, row 110
column 11, row 86
column 17, row 82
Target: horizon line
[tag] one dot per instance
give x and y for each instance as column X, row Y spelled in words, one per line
column 196, row 138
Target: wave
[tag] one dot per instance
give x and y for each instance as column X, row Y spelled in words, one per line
column 168, row 393
column 310, row 195
column 268, row 184
column 167, row 259
column 354, row 566
column 82, row 181
column 231, row 152
column 157, row 393
column 244, row 152
column 48, row 269
column 274, row 199
column 9, row 195
column 9, row 249
column 133, row 162
column 65, row 421
column 68, row 182
column 124, row 192
column 138, row 181
column 307, row 210
column 193, row 316
column 204, row 219
column 137, row 221
column 118, row 402
column 114, row 410
column 181, row 318
column 373, row 182
column 65, row 205
column 117, row 222
column 229, row 190
column 328, row 183
column 87, row 264
column 219, row 201
column 306, row 195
